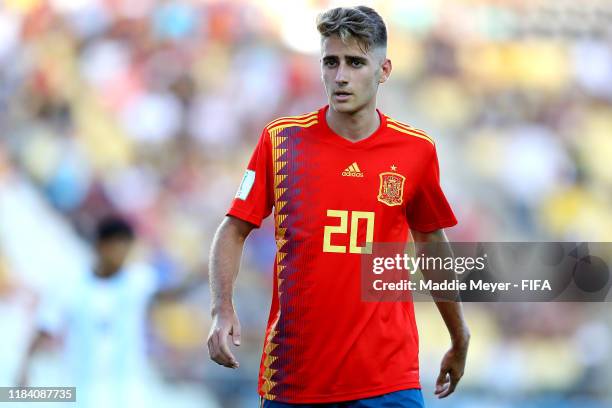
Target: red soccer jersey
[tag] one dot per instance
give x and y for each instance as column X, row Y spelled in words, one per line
column 330, row 197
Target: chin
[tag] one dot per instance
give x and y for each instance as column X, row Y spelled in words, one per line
column 343, row 107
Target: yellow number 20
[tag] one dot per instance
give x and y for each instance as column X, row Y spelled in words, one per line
column 342, row 229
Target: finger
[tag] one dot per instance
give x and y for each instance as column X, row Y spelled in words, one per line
column 216, row 353
column 236, row 334
column 441, row 389
column 225, row 352
column 442, row 381
column 454, row 379
column 448, row 391
column 210, row 346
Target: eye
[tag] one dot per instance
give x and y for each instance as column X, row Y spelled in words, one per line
column 356, row 63
column 329, row 63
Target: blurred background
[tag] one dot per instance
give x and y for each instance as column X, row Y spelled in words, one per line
column 151, row 109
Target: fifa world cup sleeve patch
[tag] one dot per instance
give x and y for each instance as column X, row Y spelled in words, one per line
column 246, row 184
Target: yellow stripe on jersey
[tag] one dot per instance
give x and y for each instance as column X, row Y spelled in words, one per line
column 408, row 128
column 281, row 126
column 283, row 121
column 356, row 167
column 411, row 133
column 299, row 118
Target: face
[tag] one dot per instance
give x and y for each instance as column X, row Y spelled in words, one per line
column 113, row 253
column 351, row 76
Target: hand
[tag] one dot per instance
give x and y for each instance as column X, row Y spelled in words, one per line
column 223, row 326
column 451, row 371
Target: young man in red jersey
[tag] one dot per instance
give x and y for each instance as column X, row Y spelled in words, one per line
column 338, row 180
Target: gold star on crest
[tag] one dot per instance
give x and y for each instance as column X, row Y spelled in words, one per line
column 393, row 167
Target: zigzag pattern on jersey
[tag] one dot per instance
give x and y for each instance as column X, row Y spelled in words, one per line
column 288, row 162
column 409, row 130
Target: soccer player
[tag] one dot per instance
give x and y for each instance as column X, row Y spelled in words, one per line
column 338, row 179
column 101, row 319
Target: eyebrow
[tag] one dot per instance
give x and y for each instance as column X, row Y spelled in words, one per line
column 348, row 57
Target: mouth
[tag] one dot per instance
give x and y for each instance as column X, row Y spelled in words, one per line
column 342, row 95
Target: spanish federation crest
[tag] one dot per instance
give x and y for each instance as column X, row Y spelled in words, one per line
column 391, row 188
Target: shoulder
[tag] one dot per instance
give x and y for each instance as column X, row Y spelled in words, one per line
column 303, row 121
column 409, row 132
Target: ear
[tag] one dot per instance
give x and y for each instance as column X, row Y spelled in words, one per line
column 386, row 68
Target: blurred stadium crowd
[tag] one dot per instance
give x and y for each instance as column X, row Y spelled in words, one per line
column 151, row 109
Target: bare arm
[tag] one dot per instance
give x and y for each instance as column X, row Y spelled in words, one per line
column 453, row 363
column 225, row 257
column 38, row 341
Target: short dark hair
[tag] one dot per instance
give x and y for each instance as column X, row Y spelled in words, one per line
column 362, row 23
column 114, row 227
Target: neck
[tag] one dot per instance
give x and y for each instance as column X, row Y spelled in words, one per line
column 353, row 126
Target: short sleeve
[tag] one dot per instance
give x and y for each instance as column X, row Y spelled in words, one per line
column 255, row 196
column 429, row 210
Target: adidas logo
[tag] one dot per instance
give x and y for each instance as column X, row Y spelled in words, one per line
column 352, row 171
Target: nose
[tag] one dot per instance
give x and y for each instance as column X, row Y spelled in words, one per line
column 341, row 74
